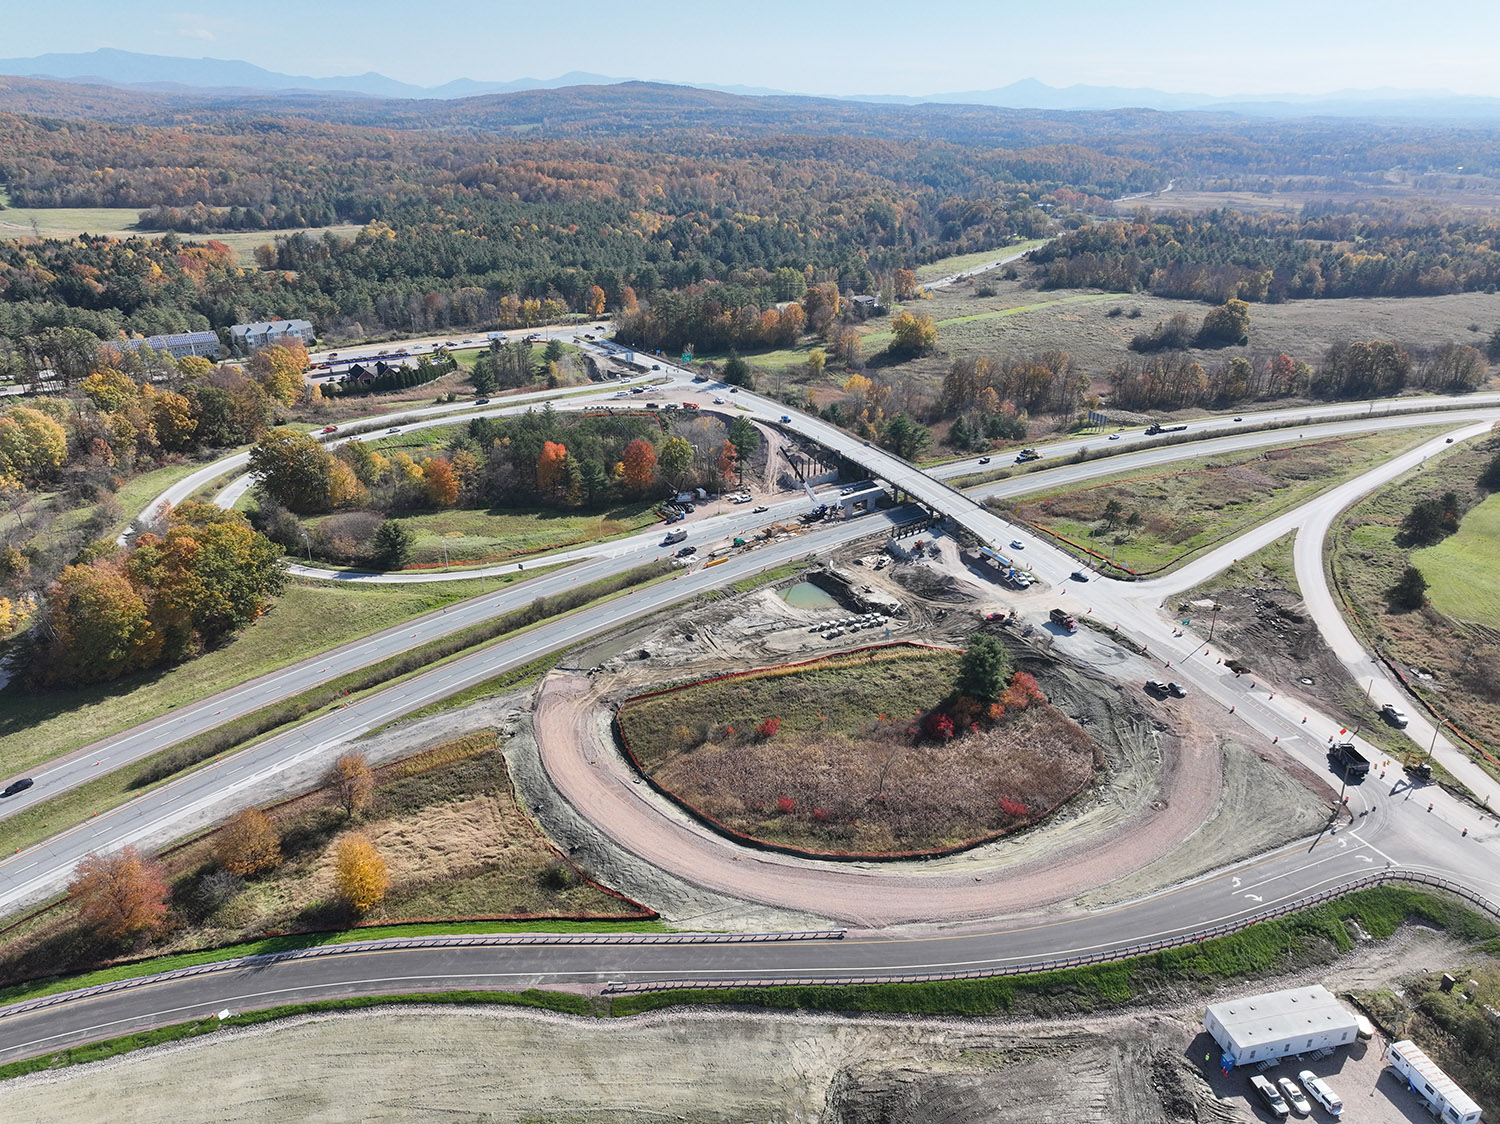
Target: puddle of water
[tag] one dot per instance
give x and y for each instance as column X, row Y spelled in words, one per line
column 805, row 595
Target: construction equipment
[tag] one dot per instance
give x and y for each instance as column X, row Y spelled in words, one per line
column 1417, row 766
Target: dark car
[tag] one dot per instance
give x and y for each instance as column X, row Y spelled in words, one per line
column 481, row 401
column 1176, row 690
column 984, row 460
column 1079, row 576
column 687, row 551
column 1155, row 687
column 656, row 366
column 17, row 786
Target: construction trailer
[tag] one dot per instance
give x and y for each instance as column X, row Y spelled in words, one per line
column 1444, row 1098
column 1279, row 1024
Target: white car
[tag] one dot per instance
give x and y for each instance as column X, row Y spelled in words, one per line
column 1318, row 1089
column 1294, row 1096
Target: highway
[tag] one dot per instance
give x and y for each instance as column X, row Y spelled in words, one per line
column 1394, row 832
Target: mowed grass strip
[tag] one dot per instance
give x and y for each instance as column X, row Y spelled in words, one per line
column 310, row 617
column 1310, row 937
column 1462, row 580
column 1197, row 503
column 1315, row 936
column 47, row 818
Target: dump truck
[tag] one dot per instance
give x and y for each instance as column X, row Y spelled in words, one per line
column 1355, row 765
column 1063, row 619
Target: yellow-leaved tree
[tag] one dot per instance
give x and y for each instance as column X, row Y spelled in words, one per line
column 359, row 872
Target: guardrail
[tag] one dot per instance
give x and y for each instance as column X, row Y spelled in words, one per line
column 1036, row 966
column 390, row 944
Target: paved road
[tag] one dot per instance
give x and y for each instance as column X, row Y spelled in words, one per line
column 1116, row 602
column 1405, row 834
column 1289, row 875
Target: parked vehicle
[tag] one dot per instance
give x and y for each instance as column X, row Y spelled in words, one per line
column 1394, row 715
column 1271, row 1096
column 1294, row 1096
column 1319, row 1090
column 1356, row 765
column 1155, row 687
column 1177, row 690
column 1063, row 619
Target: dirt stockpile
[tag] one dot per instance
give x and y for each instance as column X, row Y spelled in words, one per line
column 832, row 758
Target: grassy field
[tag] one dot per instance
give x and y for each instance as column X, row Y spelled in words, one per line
column 445, row 821
column 1202, row 502
column 946, row 267
column 308, row 618
column 849, row 769
column 119, row 222
column 1365, row 558
column 1271, row 567
column 1461, row 580
column 65, row 222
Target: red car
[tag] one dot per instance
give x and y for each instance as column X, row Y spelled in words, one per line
column 330, row 429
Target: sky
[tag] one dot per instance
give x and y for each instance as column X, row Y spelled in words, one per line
column 851, row 47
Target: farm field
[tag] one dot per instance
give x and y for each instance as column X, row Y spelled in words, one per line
column 946, row 267
column 120, row 222
column 444, row 821
column 835, row 757
column 1161, row 520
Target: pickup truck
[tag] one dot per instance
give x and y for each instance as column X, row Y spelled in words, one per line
column 1356, row 765
column 1156, row 427
column 1027, row 455
column 1063, row 619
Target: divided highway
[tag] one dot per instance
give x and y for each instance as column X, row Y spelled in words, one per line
column 1392, row 832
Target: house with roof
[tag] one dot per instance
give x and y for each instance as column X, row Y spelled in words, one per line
column 179, row 345
column 250, row 338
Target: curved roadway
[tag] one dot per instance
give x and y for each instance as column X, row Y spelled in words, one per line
column 1394, row 831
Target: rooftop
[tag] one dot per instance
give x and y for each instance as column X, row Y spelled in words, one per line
column 1281, row 1015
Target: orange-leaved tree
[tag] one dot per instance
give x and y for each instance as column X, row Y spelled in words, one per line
column 596, row 301
column 120, row 895
column 549, row 469
column 359, row 872
column 248, row 844
column 440, row 482
column 640, row 466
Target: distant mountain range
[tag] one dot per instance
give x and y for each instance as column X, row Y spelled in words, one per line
column 170, row 74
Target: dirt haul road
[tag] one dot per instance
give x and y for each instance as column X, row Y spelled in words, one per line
column 571, row 725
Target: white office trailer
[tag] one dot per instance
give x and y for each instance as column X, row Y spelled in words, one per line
column 1278, row 1024
column 1444, row 1098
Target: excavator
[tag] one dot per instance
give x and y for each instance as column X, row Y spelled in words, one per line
column 1417, row 767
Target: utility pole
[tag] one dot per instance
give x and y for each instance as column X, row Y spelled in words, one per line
column 1213, row 623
